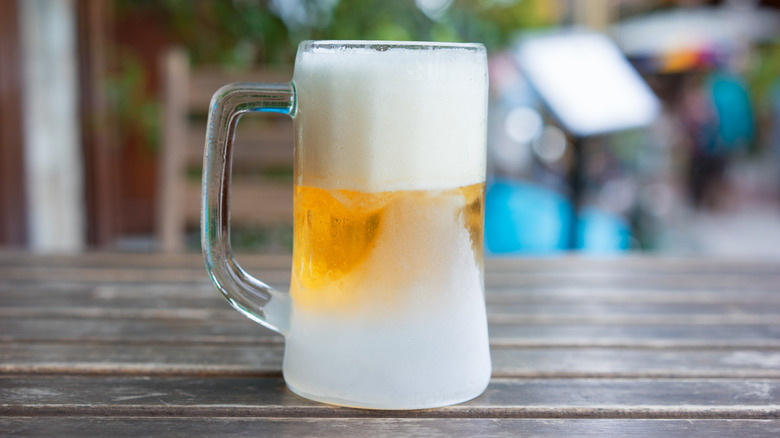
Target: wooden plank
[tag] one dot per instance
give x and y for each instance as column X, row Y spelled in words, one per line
column 554, row 267
column 105, row 260
column 18, row 267
column 236, row 329
column 575, row 294
column 275, row 149
column 617, row 320
column 84, row 294
column 168, row 331
column 639, row 310
column 635, row 313
column 630, row 263
column 219, row 310
column 141, row 360
column 266, row 360
column 626, row 363
column 518, row 282
column 252, row 203
column 39, row 292
column 642, row 280
column 169, row 218
column 107, row 313
column 516, row 398
column 636, row 336
column 98, row 303
column 205, row 81
column 118, row 275
column 385, row 427
column 520, row 278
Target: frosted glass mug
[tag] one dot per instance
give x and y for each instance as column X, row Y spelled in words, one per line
column 386, row 305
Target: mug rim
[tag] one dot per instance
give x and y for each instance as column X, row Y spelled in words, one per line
column 382, row 46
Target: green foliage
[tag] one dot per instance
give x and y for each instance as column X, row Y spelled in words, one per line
column 764, row 73
column 138, row 115
column 239, row 33
column 276, row 239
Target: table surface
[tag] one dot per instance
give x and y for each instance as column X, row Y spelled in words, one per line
column 138, row 344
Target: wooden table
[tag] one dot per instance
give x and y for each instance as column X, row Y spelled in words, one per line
column 135, row 345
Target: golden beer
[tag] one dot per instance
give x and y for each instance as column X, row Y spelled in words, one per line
column 336, row 232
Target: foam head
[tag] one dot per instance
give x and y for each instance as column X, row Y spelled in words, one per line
column 379, row 116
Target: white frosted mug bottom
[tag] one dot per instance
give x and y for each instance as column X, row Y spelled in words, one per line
column 425, row 359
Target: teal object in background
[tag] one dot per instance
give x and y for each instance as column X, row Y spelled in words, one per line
column 731, row 102
column 601, row 233
column 525, row 219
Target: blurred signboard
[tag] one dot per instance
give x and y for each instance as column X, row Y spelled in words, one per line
column 586, row 82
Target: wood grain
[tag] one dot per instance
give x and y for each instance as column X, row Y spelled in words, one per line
column 551, row 266
column 125, row 344
column 96, row 303
column 237, row 330
column 218, row 359
column 504, row 398
column 385, row 427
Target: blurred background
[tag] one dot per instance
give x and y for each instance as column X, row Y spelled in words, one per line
column 615, row 126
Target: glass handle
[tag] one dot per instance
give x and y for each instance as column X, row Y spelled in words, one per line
column 248, row 295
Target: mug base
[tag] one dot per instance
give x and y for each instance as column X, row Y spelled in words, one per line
column 426, row 404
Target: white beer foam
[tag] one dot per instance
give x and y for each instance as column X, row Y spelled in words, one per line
column 404, row 118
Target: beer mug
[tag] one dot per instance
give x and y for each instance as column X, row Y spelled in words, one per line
column 386, row 305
